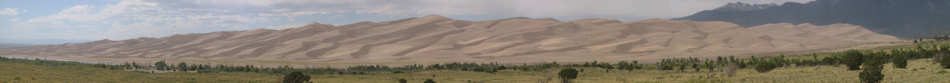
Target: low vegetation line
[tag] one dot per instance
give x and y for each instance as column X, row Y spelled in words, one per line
column 869, row 61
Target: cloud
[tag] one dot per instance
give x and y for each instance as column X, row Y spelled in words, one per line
column 11, row 11
column 75, row 13
column 129, row 19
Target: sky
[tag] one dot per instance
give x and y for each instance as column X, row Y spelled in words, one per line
column 64, row 21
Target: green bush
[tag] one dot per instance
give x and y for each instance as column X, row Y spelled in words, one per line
column 182, row 66
column 872, row 69
column 765, row 66
column 567, row 75
column 161, row 65
column 945, row 61
column 853, row 59
column 900, row 61
column 429, row 81
column 296, row 77
column 626, row 66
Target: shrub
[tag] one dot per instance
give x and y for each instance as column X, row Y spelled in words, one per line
column 296, row 77
column 161, row 65
column 567, row 75
column 625, row 66
column 182, row 66
column 945, row 62
column 665, row 67
column 429, row 81
column 872, row 69
column 853, row 59
column 403, row 80
column 900, row 61
column 830, row 61
column 765, row 66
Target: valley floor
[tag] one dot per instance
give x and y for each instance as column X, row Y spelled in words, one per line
column 919, row 71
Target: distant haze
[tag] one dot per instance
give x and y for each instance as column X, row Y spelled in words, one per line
column 10, row 45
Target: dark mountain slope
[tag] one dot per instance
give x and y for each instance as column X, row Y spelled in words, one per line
column 903, row 18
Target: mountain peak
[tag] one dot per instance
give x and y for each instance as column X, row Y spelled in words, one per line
column 904, row 18
column 655, row 20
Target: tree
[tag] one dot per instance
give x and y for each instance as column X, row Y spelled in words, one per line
column 161, row 65
column 710, row 66
column 182, row 66
column 403, row 80
column 900, row 60
column 853, row 59
column 135, row 66
column 296, row 77
column 872, row 69
column 624, row 65
column 429, row 81
column 568, row 74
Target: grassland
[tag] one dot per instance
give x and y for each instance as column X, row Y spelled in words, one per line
column 31, row 73
column 919, row 71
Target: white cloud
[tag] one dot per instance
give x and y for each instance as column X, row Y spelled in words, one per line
column 75, row 13
column 11, row 11
column 130, row 19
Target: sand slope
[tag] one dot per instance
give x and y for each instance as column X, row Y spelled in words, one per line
column 437, row 39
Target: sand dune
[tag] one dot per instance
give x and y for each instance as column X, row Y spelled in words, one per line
column 437, row 39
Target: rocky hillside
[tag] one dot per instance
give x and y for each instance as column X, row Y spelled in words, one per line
column 437, row 39
column 903, row 18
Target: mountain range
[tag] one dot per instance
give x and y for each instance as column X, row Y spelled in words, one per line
column 438, row 39
column 902, row 18
column 10, row 45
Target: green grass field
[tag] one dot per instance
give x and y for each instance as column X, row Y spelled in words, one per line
column 919, row 71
